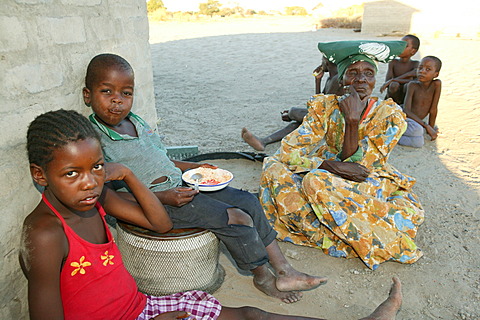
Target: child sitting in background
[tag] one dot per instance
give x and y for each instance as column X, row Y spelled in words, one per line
column 421, row 102
column 73, row 266
column 332, row 85
column 235, row 216
column 401, row 71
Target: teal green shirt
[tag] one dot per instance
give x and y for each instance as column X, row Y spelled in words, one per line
column 145, row 155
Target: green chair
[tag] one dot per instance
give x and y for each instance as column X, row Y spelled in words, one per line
column 181, row 152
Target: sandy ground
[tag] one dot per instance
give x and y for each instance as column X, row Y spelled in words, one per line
column 212, row 79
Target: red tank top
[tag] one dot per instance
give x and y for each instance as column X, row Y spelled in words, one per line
column 94, row 282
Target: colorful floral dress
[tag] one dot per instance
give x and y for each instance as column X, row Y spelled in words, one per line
column 375, row 220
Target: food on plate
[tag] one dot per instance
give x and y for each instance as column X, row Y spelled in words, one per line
column 209, row 176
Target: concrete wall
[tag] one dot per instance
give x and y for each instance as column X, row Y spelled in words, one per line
column 426, row 18
column 45, row 46
column 387, row 18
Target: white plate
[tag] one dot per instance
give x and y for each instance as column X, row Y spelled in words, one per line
column 208, row 174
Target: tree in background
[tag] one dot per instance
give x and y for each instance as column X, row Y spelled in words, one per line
column 296, row 11
column 153, row 5
column 225, row 12
column 209, row 8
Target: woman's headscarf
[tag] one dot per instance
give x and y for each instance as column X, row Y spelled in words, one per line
column 345, row 53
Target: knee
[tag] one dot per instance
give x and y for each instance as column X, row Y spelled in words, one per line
column 393, row 87
column 297, row 114
column 237, row 216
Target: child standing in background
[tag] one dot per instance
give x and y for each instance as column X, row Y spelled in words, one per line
column 401, row 71
column 421, row 102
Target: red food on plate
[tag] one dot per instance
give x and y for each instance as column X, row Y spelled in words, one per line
column 210, row 182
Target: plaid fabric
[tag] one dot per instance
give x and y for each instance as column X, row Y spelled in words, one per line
column 200, row 305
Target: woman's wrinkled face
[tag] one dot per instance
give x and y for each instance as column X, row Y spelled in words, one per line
column 360, row 75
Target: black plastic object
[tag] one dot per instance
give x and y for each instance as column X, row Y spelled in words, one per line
column 228, row 155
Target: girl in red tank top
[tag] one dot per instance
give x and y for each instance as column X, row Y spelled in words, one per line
column 73, row 266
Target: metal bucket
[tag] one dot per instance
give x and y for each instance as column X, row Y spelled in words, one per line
column 181, row 260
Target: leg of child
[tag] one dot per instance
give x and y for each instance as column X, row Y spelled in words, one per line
column 251, row 313
column 295, row 115
column 394, row 92
column 260, row 143
column 413, row 136
column 246, row 233
column 286, row 278
column 389, row 308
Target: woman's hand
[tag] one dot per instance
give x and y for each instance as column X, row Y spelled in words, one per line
column 172, row 315
column 176, row 197
column 351, row 105
column 347, row 170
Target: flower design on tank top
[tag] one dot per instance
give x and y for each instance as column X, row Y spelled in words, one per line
column 108, row 258
column 80, row 266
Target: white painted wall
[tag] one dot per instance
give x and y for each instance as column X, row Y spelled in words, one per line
column 45, row 46
column 426, row 18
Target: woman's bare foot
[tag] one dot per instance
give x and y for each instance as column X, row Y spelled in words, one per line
column 293, row 280
column 252, row 140
column 265, row 281
column 389, row 308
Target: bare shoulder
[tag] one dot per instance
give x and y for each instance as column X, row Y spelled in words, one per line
column 394, row 62
column 413, row 85
column 437, row 83
column 42, row 229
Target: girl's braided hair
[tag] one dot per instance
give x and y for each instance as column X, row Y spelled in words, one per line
column 53, row 130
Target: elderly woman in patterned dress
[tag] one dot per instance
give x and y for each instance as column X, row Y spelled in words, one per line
column 329, row 185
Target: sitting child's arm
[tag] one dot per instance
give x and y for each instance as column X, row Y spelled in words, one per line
column 44, row 246
column 318, row 73
column 434, row 106
column 178, row 196
column 388, row 76
column 402, row 79
column 147, row 211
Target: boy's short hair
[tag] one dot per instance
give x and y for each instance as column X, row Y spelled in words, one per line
column 437, row 61
column 104, row 61
column 415, row 40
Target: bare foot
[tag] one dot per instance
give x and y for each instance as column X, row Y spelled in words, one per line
column 389, row 308
column 293, row 280
column 265, row 282
column 253, row 141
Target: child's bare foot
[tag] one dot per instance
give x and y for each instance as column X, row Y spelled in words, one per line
column 293, row 280
column 389, row 308
column 252, row 140
column 264, row 281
